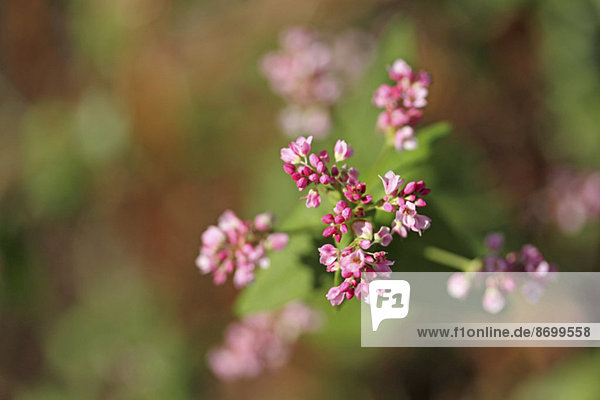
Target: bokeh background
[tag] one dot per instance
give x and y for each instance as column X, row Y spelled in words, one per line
column 128, row 126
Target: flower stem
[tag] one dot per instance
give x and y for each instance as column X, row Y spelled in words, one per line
column 450, row 259
column 379, row 162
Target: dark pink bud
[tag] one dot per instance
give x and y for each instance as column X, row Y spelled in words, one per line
column 302, row 183
column 420, row 186
column 359, row 213
column 313, row 177
column 425, row 192
column 304, row 170
column 324, row 155
column 350, row 292
column 330, row 230
column 314, row 159
column 367, row 199
column 296, row 176
column 338, row 219
column 420, row 203
column 355, row 197
column 327, row 218
column 289, row 168
column 337, row 237
column 334, row 170
column 344, row 228
column 324, row 179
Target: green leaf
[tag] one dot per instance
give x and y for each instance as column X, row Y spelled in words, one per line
column 285, row 280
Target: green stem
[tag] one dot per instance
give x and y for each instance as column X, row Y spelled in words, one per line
column 379, row 162
column 450, row 259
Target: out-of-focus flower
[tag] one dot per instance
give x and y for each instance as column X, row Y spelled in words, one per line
column 402, row 104
column 311, row 73
column 238, row 247
column 570, row 200
column 501, row 275
column 261, row 342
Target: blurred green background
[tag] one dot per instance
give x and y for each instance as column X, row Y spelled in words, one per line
column 128, row 126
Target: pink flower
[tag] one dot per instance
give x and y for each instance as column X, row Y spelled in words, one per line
column 383, row 236
column 301, row 146
column 351, row 264
column 493, row 300
column 261, row 342
column 402, row 104
column 263, row 222
column 328, row 255
column 391, row 183
column 238, row 247
column 404, row 139
column 313, row 199
column 362, row 229
column 336, row 295
column 342, row 151
column 212, row 237
column 277, row 241
column 458, row 285
column 386, row 96
column 399, row 70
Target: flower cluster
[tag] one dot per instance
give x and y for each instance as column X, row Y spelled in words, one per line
column 349, row 216
column 311, row 73
column 238, row 247
column 525, row 269
column 570, row 200
column 261, row 341
column 402, row 104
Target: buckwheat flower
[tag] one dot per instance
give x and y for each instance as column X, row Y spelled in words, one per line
column 408, row 218
column 383, row 236
column 342, row 151
column 264, row 222
column 336, row 295
column 328, row 256
column 570, row 200
column 402, row 104
column 404, row 139
column 399, row 70
column 277, row 241
column 238, row 247
column 458, row 285
column 493, row 300
column 311, row 73
column 261, row 342
column 391, row 183
column 362, row 229
column 352, row 263
column 313, row 199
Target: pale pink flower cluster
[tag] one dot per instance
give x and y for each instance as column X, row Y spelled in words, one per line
column 526, row 270
column 402, row 104
column 309, row 170
column 572, row 199
column 262, row 342
column 238, row 247
column 311, row 74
